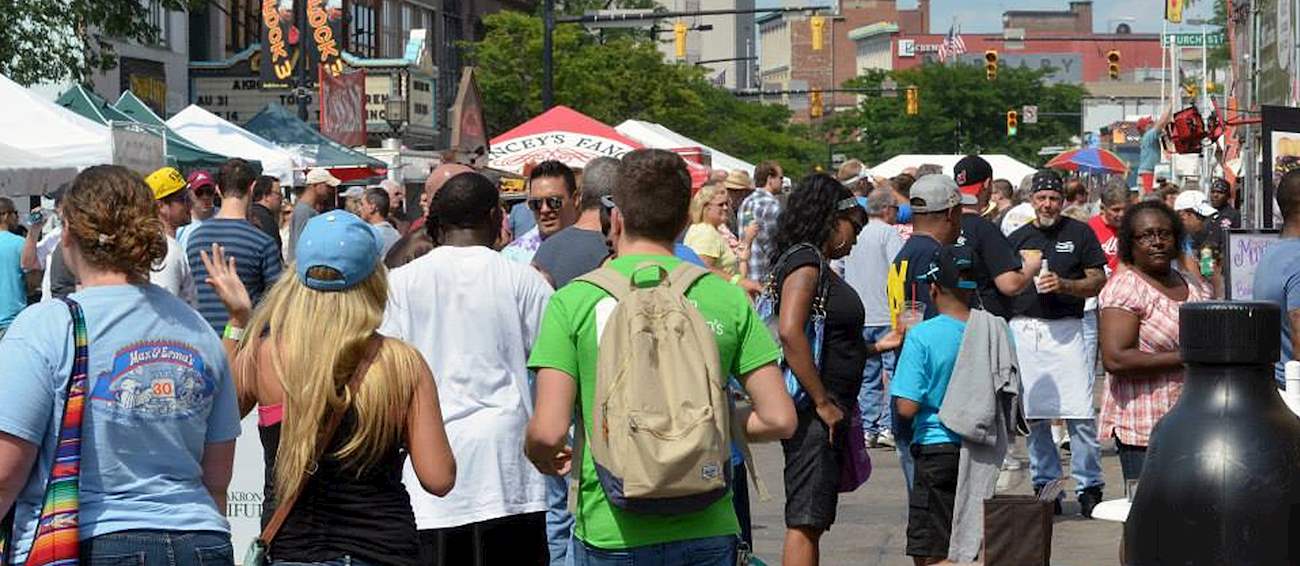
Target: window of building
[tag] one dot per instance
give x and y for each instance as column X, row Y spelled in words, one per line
column 364, row 36
column 243, row 25
column 392, row 29
column 157, row 18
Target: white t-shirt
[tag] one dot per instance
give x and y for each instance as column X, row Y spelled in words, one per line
column 474, row 315
column 173, row 274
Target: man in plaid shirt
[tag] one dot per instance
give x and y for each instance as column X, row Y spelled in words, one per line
column 762, row 208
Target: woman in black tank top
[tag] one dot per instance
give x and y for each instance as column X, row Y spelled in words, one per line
column 303, row 345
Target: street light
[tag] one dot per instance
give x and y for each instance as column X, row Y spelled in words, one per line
column 395, row 107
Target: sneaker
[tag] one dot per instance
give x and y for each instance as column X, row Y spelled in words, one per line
column 873, row 441
column 885, row 439
column 1012, row 464
column 1088, row 500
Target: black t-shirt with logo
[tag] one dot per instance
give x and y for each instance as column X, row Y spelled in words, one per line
column 992, row 255
column 1069, row 247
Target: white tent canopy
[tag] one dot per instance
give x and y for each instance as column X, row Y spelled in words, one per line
column 215, row 134
column 40, row 127
column 1004, row 166
column 23, row 173
column 656, row 136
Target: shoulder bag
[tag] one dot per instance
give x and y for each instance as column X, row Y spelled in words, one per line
column 769, row 309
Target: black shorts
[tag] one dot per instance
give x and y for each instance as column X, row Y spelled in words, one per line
column 812, row 474
column 934, row 490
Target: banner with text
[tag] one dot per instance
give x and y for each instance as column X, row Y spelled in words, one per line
column 277, row 60
column 343, row 107
column 325, row 22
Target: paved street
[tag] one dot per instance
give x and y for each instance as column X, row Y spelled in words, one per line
column 870, row 529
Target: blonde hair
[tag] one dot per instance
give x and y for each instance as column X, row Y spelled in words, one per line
column 701, row 201
column 317, row 340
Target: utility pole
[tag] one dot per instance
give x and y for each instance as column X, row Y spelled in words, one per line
column 304, row 37
column 548, row 63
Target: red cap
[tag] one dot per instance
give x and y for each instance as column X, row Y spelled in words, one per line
column 200, row 178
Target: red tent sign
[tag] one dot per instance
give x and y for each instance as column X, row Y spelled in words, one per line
column 560, row 134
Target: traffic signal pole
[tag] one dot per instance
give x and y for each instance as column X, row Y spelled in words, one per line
column 549, row 21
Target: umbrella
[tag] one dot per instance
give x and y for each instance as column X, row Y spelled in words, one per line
column 1089, row 160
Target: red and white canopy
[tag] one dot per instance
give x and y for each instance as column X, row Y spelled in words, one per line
column 566, row 135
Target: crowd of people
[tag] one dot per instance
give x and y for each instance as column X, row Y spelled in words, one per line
column 465, row 383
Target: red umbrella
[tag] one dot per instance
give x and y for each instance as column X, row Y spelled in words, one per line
column 1089, row 159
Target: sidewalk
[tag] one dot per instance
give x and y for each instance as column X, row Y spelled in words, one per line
column 871, row 527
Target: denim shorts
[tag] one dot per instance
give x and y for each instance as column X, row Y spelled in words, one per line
column 711, row 551
column 158, row 548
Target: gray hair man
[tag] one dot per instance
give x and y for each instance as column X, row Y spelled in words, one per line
column 867, row 269
column 580, row 248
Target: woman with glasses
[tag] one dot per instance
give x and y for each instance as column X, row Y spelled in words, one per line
column 1139, row 330
column 710, row 209
column 820, row 223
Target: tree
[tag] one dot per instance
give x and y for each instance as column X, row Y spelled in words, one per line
column 960, row 112
column 56, row 40
column 624, row 76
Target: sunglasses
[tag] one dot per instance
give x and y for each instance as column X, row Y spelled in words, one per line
column 553, row 202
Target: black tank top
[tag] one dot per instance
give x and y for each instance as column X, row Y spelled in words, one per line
column 367, row 517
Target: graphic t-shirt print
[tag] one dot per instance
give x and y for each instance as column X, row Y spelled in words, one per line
column 155, row 380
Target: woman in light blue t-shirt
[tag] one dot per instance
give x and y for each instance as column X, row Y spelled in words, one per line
column 160, row 414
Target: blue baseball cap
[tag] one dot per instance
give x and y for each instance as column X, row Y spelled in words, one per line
column 339, row 241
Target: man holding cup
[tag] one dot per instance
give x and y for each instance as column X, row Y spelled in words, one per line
column 1048, row 328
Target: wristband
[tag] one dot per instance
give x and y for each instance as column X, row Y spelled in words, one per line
column 233, row 333
column 735, row 279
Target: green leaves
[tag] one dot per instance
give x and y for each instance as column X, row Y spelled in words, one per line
column 617, row 75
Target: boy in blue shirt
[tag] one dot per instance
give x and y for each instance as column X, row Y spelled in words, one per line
column 918, row 387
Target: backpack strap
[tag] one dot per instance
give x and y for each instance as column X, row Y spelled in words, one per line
column 684, row 275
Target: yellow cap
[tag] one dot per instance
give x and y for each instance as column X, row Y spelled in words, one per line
column 165, row 182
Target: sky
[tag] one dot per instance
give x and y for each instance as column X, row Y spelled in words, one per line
column 985, row 16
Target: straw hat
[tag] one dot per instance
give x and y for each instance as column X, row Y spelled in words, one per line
column 738, row 180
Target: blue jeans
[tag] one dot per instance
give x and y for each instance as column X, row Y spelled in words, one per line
column 1085, row 453
column 159, row 548
column 1090, row 343
column 559, row 522
column 712, row 551
column 872, row 397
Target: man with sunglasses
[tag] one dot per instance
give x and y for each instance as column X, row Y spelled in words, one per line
column 552, row 196
column 580, row 248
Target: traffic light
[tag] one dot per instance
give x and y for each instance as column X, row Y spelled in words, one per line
column 1012, row 122
column 815, row 103
column 1190, row 90
column 679, row 39
column 818, row 32
column 913, row 101
column 1112, row 57
column 991, row 64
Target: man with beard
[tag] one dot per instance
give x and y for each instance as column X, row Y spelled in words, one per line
column 1048, row 330
column 1221, row 200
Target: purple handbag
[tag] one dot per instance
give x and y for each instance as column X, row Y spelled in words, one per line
column 855, row 462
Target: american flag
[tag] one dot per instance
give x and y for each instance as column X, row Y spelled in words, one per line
column 952, row 45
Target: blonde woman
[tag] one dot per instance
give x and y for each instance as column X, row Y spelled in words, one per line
column 294, row 362
column 710, row 209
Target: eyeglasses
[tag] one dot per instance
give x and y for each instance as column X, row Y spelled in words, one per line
column 553, row 202
column 1154, row 236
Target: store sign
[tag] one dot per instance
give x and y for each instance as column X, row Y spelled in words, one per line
column 239, row 99
column 1213, row 39
column 147, row 80
column 325, row 18
column 419, row 99
column 573, row 149
column 343, row 108
column 910, row 48
column 1066, row 67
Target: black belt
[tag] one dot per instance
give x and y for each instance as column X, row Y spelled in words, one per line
column 931, row 449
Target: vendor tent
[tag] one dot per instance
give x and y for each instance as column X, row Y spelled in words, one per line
column 181, row 152
column 654, row 135
column 277, row 124
column 561, row 134
column 1004, row 166
column 23, row 173
column 60, row 137
column 210, row 131
column 566, row 135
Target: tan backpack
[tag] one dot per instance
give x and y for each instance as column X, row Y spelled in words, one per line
column 661, row 416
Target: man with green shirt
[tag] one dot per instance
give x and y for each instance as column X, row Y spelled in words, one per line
column 652, row 199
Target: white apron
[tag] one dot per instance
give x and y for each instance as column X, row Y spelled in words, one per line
column 1054, row 375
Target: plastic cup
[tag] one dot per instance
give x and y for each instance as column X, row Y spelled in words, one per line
column 913, row 313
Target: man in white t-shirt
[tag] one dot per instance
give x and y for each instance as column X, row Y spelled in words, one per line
column 474, row 315
column 172, row 194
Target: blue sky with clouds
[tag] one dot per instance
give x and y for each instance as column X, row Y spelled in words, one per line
column 985, row 16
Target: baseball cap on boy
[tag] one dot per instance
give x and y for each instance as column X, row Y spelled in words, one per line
column 934, row 193
column 200, row 179
column 951, row 269
column 165, row 182
column 340, row 242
